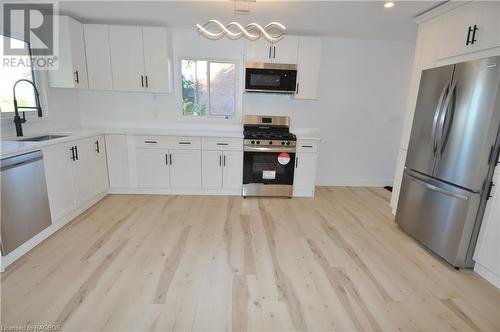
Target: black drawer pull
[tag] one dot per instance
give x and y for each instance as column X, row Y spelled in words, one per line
column 185, row 143
column 307, row 146
column 222, row 144
column 151, row 142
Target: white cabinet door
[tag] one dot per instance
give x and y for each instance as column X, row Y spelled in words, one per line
column 232, row 162
column 259, row 50
column 72, row 65
column 98, row 56
column 100, row 165
column 117, row 157
column 152, row 168
column 305, row 171
column 83, row 169
column 185, row 168
column 455, row 31
column 127, row 58
column 488, row 21
column 156, row 60
column 488, row 245
column 309, row 57
column 212, row 169
column 285, row 51
column 60, row 182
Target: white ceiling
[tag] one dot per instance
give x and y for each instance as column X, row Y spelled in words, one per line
column 348, row 19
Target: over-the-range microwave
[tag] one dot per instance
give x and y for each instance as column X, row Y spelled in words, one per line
column 270, row 77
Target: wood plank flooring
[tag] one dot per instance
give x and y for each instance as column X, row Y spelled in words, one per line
column 336, row 262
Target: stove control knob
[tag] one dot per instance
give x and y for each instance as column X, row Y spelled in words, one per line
column 270, row 142
column 253, row 142
column 287, row 143
column 258, row 142
column 283, row 143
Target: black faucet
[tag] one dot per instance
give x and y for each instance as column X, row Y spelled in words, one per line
column 17, row 119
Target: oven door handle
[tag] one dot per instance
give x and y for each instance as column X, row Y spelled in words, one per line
column 268, row 149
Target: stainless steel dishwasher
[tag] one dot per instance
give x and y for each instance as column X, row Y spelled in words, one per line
column 25, row 204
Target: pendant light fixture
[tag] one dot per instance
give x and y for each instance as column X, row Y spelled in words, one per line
column 234, row 30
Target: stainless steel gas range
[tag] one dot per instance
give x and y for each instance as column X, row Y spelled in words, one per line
column 268, row 157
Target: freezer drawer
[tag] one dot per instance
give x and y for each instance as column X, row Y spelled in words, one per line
column 438, row 215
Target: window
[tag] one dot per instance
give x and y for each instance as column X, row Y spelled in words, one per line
column 13, row 68
column 208, row 88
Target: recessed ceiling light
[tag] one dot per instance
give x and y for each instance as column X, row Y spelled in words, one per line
column 389, row 4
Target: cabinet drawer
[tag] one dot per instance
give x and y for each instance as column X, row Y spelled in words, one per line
column 167, row 142
column 221, row 143
column 306, row 145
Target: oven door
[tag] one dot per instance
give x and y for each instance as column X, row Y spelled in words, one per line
column 268, row 167
column 270, row 80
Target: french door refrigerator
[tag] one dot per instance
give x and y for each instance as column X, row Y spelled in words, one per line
column 453, row 150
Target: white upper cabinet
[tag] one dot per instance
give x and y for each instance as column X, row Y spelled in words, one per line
column 72, row 66
column 259, row 50
column 284, row 51
column 308, row 64
column 140, row 58
column 156, row 60
column 469, row 28
column 98, row 56
column 127, row 58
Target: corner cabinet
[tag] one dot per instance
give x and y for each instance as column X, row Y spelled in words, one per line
column 72, row 64
column 98, row 56
column 306, row 159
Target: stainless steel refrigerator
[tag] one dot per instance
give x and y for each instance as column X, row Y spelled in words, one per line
column 453, row 150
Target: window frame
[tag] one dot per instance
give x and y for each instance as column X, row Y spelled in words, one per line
column 39, row 79
column 237, row 101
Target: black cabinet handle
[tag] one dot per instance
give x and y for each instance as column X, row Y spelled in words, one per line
column 76, row 152
column 77, row 78
column 297, row 91
column 151, row 142
column 224, row 162
column 185, row 143
column 166, row 159
column 469, row 31
column 220, row 160
column 142, row 81
column 269, row 52
column 170, row 159
column 307, row 146
column 274, row 52
column 489, row 190
column 97, row 146
column 147, row 85
column 296, row 162
column 72, row 149
column 474, row 34
column 222, row 143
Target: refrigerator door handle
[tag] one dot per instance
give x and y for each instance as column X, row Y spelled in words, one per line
column 437, row 113
column 439, row 190
column 444, row 126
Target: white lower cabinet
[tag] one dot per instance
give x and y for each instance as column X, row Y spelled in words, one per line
column 118, row 164
column 222, row 169
column 185, row 169
column 487, row 253
column 75, row 175
column 162, row 168
column 100, row 164
column 152, row 168
column 60, row 180
column 304, row 179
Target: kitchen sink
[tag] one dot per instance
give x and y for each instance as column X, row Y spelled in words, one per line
column 41, row 138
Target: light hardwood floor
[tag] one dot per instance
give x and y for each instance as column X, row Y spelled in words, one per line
column 334, row 262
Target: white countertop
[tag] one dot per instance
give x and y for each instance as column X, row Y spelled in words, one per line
column 11, row 146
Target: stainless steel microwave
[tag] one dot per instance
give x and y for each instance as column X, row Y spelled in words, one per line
column 270, row 77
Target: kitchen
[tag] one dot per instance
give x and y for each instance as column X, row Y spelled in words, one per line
column 159, row 177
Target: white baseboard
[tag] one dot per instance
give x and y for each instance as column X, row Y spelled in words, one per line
column 354, row 182
column 194, row 192
column 487, row 274
column 23, row 249
column 303, row 193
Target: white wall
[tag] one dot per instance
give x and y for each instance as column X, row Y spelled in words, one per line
column 359, row 112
